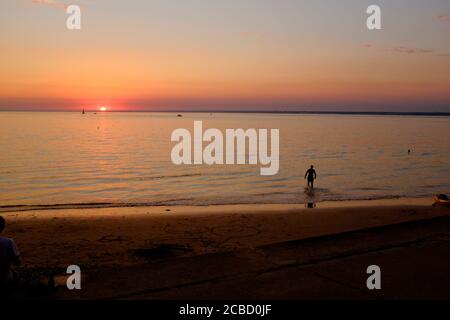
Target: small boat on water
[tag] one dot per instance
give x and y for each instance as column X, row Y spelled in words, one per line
column 441, row 200
column 83, row 111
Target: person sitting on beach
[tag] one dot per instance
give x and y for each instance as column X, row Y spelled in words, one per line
column 9, row 255
column 311, row 175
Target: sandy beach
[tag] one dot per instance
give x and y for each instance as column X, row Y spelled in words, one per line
column 139, row 237
column 98, row 236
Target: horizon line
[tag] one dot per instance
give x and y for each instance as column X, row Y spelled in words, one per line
column 387, row 113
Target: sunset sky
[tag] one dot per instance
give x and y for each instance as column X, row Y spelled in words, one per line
column 225, row 55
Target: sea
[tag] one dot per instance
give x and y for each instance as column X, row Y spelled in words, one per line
column 124, row 158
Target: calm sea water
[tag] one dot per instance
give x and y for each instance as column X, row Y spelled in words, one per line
column 63, row 158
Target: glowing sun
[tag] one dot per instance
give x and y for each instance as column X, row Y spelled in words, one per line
column 103, row 108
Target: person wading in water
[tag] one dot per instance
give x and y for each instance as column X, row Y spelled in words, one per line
column 311, row 176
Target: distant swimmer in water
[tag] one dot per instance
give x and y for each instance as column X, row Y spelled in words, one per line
column 311, row 176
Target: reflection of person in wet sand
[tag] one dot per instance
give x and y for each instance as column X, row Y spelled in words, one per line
column 311, row 176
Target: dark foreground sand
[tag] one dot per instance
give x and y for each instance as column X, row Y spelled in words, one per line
column 241, row 251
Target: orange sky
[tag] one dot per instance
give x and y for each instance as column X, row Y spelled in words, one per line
column 155, row 56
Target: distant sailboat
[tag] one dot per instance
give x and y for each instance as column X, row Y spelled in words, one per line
column 83, row 111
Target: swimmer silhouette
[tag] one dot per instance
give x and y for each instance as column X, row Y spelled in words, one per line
column 311, row 175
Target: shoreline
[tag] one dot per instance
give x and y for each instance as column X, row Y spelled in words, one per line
column 321, row 204
column 284, row 112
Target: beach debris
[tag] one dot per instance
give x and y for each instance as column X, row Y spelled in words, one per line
column 51, row 283
column 111, row 238
column 34, row 282
column 441, row 200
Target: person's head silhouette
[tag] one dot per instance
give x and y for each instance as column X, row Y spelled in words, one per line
column 312, row 167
